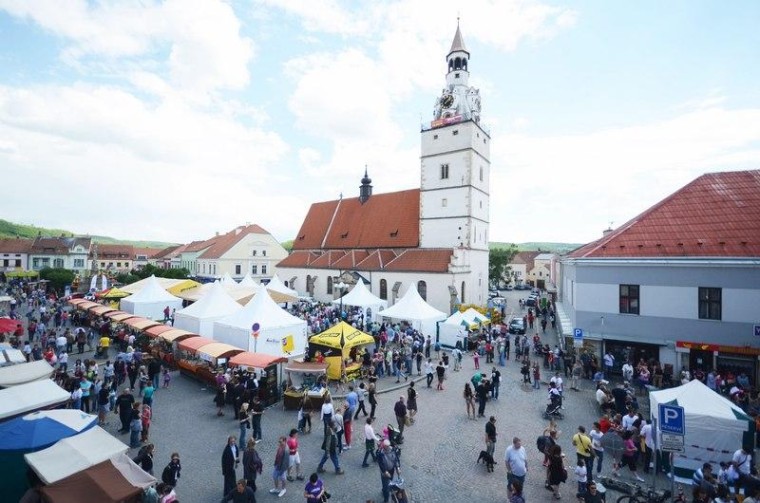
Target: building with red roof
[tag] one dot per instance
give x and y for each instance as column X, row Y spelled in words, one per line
column 434, row 236
column 678, row 284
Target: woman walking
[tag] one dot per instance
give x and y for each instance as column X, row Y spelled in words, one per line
column 252, row 464
column 372, row 397
column 469, row 400
column 556, row 469
column 244, row 422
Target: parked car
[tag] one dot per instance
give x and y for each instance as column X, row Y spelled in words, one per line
column 517, row 326
column 493, row 293
column 530, row 302
column 509, row 288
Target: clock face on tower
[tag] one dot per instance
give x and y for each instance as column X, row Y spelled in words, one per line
column 447, row 100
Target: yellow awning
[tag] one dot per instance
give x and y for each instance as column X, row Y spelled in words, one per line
column 351, row 336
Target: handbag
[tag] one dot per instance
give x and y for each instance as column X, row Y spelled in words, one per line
column 326, row 496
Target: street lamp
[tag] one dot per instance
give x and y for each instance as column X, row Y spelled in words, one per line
column 341, row 287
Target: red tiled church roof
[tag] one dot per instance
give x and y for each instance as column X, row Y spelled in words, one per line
column 388, row 220
column 716, row 215
column 298, row 258
column 419, row 260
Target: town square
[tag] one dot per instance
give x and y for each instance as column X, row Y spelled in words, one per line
column 379, row 252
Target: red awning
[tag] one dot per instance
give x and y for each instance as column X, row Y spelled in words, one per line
column 255, row 360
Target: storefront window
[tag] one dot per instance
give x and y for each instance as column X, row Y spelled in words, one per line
column 631, row 352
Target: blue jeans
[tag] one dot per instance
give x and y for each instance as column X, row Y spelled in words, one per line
column 599, row 459
column 155, row 381
column 333, row 458
column 537, row 383
column 242, row 438
column 134, row 438
column 386, row 488
column 495, row 391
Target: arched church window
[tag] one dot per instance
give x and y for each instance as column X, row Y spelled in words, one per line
column 383, row 289
column 458, row 64
column 422, row 289
column 451, row 65
column 462, row 299
column 329, row 285
column 464, row 64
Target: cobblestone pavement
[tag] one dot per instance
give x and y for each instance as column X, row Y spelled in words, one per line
column 438, row 455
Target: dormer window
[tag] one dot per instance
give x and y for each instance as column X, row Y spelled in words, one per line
column 254, row 253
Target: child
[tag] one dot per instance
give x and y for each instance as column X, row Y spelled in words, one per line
column 581, row 477
column 145, row 418
column 476, row 359
column 167, row 378
column 304, row 418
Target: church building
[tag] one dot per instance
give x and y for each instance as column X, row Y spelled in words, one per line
column 434, row 236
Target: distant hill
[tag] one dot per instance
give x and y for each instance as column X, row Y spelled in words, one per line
column 11, row 230
column 559, row 248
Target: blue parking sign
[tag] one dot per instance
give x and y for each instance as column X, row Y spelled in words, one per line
column 578, row 333
column 672, row 419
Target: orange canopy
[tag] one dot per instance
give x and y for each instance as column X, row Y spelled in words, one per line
column 101, row 310
column 140, row 323
column 255, row 360
column 176, row 334
column 218, row 349
column 76, row 301
column 157, row 330
column 193, row 344
column 119, row 316
column 87, row 304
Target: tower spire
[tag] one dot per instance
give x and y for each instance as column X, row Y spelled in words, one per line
column 365, row 189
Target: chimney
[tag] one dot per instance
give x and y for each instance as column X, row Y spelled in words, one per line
column 365, row 189
column 607, row 231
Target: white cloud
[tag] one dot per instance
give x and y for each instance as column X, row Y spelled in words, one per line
column 613, row 174
column 202, row 40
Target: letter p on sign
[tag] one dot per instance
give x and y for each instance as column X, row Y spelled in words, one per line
column 672, row 419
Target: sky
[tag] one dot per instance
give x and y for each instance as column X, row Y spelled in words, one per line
column 172, row 120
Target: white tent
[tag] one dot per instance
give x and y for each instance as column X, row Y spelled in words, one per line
column 31, row 396
column 166, row 283
column 276, row 285
column 473, row 316
column 280, row 333
column 453, row 329
column 227, row 279
column 715, row 427
column 412, row 307
column 74, row 454
column 11, row 356
column 248, row 282
column 360, row 296
column 23, row 373
column 150, row 301
column 200, row 316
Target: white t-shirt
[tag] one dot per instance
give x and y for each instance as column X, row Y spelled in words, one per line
column 369, row 432
column 557, row 380
column 596, row 439
column 580, row 474
column 516, row 460
column 609, row 360
column 627, row 422
column 742, row 462
column 646, row 432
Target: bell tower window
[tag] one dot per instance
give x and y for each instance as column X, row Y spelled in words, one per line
column 444, row 171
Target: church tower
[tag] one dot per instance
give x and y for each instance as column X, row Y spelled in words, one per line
column 455, row 173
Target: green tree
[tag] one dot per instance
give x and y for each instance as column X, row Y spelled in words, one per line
column 151, row 270
column 58, row 277
column 498, row 264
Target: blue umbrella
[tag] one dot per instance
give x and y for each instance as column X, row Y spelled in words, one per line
column 43, row 428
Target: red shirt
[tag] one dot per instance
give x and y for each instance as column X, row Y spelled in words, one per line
column 292, row 443
column 604, row 425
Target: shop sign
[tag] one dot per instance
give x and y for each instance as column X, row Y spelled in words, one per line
column 740, row 350
column 757, row 330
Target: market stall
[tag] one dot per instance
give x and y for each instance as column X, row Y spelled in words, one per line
column 29, row 397
column 87, row 304
column 188, row 360
column 101, row 310
column 164, row 346
column 341, row 347
column 266, row 366
column 139, row 323
column 22, row 373
column 151, row 301
column 119, row 316
column 199, row 317
column 309, row 390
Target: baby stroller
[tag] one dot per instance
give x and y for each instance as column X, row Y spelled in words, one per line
column 398, row 493
column 554, row 408
column 394, row 436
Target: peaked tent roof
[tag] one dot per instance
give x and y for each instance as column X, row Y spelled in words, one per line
column 698, row 400
column 475, row 317
column 716, row 215
column 30, row 396
column 74, row 454
column 360, row 296
column 152, row 291
column 247, row 281
column 412, row 307
column 43, row 428
column 276, row 285
column 13, row 375
column 168, row 284
column 227, row 279
column 261, row 309
column 215, row 302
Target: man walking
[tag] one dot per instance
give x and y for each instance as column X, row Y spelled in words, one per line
column 400, row 410
column 491, row 435
column 388, row 462
column 516, row 461
column 429, row 372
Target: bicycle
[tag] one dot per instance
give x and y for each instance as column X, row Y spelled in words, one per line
column 634, row 493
